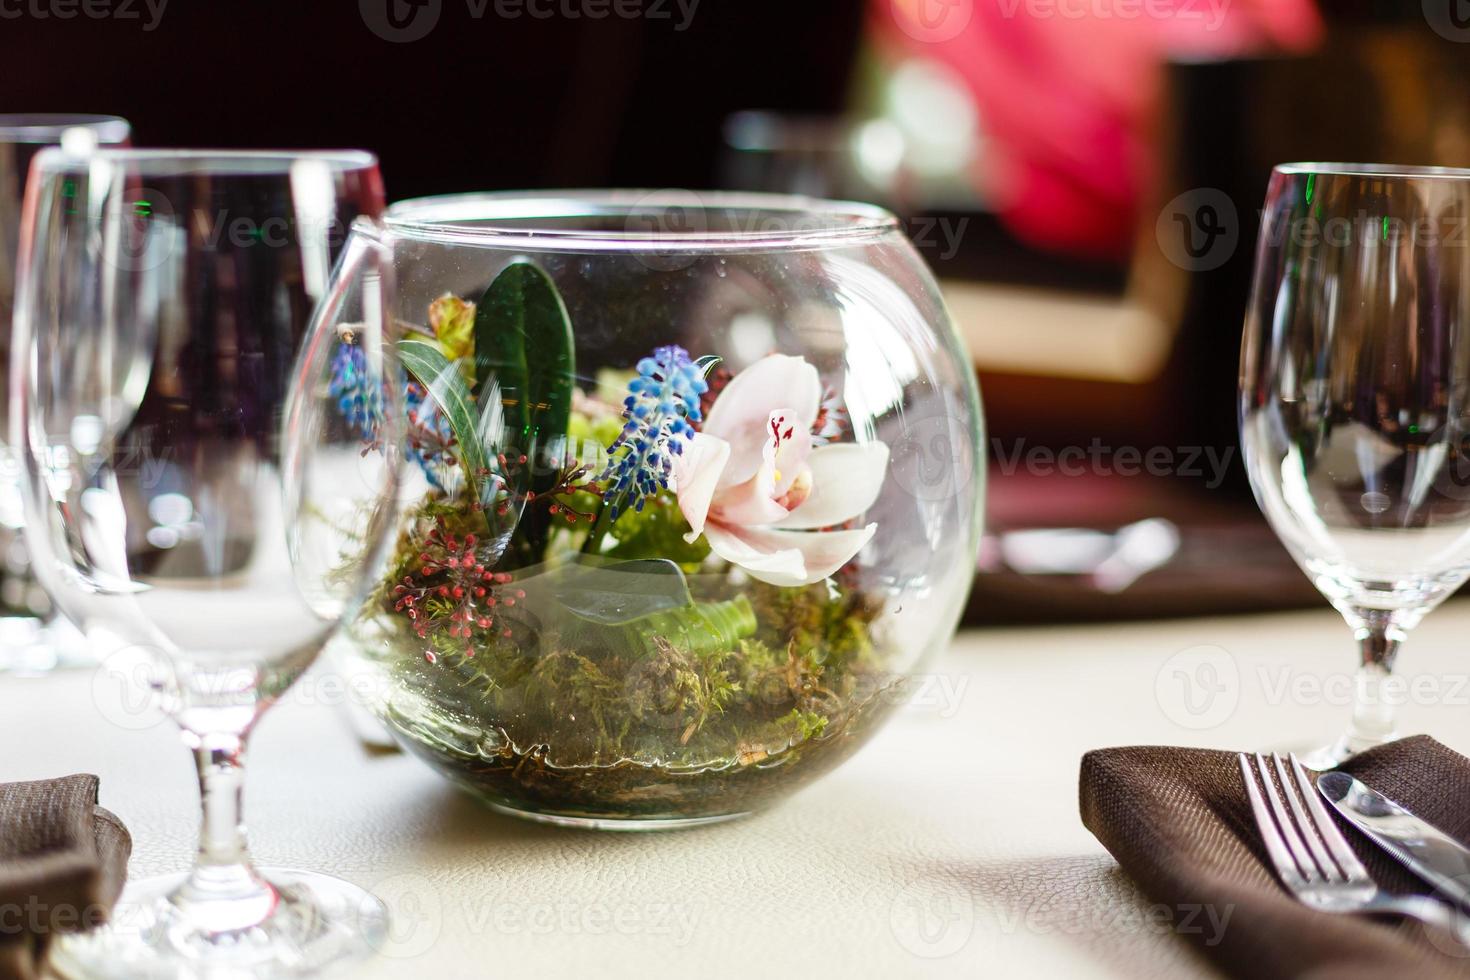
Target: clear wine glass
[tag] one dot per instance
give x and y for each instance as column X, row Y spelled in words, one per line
column 206, row 483
column 1355, row 401
column 32, row 640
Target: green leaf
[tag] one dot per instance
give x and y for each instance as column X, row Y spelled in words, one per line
column 708, row 363
column 523, row 343
column 703, row 628
column 427, row 363
column 621, row 593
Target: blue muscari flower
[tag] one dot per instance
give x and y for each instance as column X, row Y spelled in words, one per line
column 359, row 397
column 661, row 407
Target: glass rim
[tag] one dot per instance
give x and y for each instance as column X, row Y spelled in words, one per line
column 475, row 219
column 47, row 127
column 180, row 161
column 1384, row 170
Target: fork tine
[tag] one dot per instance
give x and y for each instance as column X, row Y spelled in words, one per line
column 1289, row 834
column 1310, row 833
column 1327, row 828
column 1286, row 866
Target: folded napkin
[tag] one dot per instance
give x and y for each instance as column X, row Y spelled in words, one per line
column 1179, row 822
column 63, row 860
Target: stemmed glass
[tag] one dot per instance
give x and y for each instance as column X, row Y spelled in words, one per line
column 31, row 639
column 199, row 491
column 1355, row 401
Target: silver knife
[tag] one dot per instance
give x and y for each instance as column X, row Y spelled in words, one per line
column 1423, row 848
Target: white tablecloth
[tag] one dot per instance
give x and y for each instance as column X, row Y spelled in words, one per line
column 950, row 846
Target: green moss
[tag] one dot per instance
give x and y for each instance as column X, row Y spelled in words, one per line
column 658, row 529
column 744, row 675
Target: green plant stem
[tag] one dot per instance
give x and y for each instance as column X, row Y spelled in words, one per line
column 600, row 526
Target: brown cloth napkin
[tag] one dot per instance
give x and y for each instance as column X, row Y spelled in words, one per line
column 1179, row 822
column 63, row 860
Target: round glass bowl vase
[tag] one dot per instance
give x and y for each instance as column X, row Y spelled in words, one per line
column 696, row 493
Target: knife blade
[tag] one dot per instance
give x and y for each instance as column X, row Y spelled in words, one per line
column 1420, row 846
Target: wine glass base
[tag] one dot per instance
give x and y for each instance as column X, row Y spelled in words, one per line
column 318, row 922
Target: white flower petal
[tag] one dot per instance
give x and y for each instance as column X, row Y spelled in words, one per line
column 846, row 480
column 742, row 412
column 696, row 472
column 787, row 558
column 748, row 505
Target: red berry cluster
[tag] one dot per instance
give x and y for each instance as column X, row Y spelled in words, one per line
column 570, row 479
column 453, row 592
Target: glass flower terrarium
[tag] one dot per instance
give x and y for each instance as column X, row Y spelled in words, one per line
column 695, row 493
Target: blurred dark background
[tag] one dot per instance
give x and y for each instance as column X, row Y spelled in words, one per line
column 1084, row 176
column 477, row 103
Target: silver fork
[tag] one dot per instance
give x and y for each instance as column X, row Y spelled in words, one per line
column 1313, row 859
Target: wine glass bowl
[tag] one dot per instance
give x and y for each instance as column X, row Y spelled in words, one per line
column 1355, row 398
column 33, row 640
column 188, row 496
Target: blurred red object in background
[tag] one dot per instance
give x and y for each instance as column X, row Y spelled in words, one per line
column 1068, row 92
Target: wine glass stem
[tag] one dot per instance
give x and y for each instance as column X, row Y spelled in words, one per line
column 1378, row 644
column 223, row 876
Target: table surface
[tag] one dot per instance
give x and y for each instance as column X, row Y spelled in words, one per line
column 949, row 846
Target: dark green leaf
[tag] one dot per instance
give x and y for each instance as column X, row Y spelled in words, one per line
column 523, row 343
column 708, row 363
